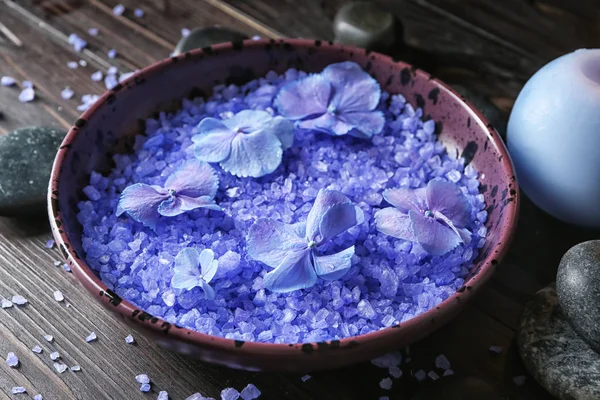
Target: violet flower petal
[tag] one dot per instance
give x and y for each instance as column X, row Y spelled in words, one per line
column 248, row 121
column 327, row 123
column 208, row 264
column 295, row 272
column 187, row 274
column 193, row 178
column 255, row 154
column 283, row 129
column 187, row 282
column 462, row 233
column 213, row 143
column 270, row 241
column 447, row 198
column 365, row 124
column 354, row 89
column 140, row 201
column 344, row 215
column 208, row 290
column 334, row 266
column 393, row 222
column 436, row 238
column 404, row 199
column 191, row 203
column 304, row 98
column 170, row 207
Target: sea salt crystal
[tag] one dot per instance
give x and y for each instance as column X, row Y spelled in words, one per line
column 163, row 395
column 37, row 349
column 230, row 394
column 67, row 93
column 18, row 390
column 58, row 296
column 91, row 337
column 395, row 372
column 442, row 362
column 27, row 84
column 250, row 392
column 145, row 387
column 118, row 9
column 495, row 349
column 138, row 12
column 60, row 367
column 110, row 81
column 66, row 268
column 5, row 303
column 27, row 95
column 112, row 53
column 72, row 64
column 49, row 244
column 185, row 32
column 305, row 378
column 93, row 31
column 433, row 375
column 129, row 339
column 386, row 383
column 7, row 81
column 49, row 338
column 112, row 70
column 38, row 397
column 142, row 378
column 75, row 368
column 97, row 76
column 420, row 375
column 519, row 380
column 77, row 42
column 448, row 372
column 54, row 356
column 12, row 360
column 19, row 300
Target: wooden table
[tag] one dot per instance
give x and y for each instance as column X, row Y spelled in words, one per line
column 489, row 46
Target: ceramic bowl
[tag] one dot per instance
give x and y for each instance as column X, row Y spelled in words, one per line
column 111, row 123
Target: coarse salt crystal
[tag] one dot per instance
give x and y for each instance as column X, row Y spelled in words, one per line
column 145, row 387
column 163, row 395
column 67, row 93
column 448, row 372
column 60, row 367
column 54, row 356
column 395, row 372
column 495, row 349
column 433, row 375
column 420, row 375
column 37, row 349
column 19, row 300
column 129, row 339
column 5, row 303
column 66, row 268
column 38, row 397
column 386, row 383
column 49, row 244
column 72, row 64
column 305, row 378
column 93, row 31
column 250, row 392
column 27, row 95
column 185, row 32
column 49, row 338
column 12, row 360
column 18, row 390
column 75, row 368
column 119, row 9
column 442, row 362
column 58, row 296
column 112, row 53
column 142, row 378
column 229, row 394
column 91, row 337
column 7, row 81
column 138, row 12
column 97, row 76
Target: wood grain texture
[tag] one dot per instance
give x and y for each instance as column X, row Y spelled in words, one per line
column 471, row 47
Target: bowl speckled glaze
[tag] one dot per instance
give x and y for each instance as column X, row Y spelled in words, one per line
column 111, row 123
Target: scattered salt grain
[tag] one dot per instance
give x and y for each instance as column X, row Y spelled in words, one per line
column 91, row 337
column 388, row 360
column 12, row 360
column 442, row 362
column 49, row 244
column 386, row 383
column 5, row 303
column 66, row 267
column 75, row 368
column 7, row 81
column 250, row 392
column 49, row 338
column 138, row 12
column 27, row 95
column 433, row 375
column 145, row 387
column 185, row 32
column 37, row 349
column 38, row 397
column 112, row 53
column 519, row 380
column 19, row 300
column 129, row 339
column 18, row 390
column 77, row 42
column 83, row 63
column 119, row 9
column 57, row 263
column 93, row 31
column 197, row 396
column 112, row 70
column 110, row 81
column 495, row 349
column 230, row 394
column 72, row 64
column 305, row 378
column 448, row 372
column 420, row 375
column 60, row 367
column 395, row 372
column 54, row 356
column 97, row 76
column 142, row 378
column 58, row 296
column 27, row 84
column 162, row 395
column 67, row 93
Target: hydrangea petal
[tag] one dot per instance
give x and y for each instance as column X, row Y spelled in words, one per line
column 140, row 201
column 209, row 272
column 270, row 241
column 170, row 207
column 326, row 199
column 304, row 97
column 208, row 290
column 193, row 178
column 213, row 143
column 191, row 203
column 283, row 128
column 436, row 238
column 187, row 262
column 447, row 198
column 248, row 121
column 327, row 123
column 354, row 89
column 254, row 154
column 462, row 233
column 338, row 219
column 403, row 199
column 183, row 281
column 366, row 124
column 295, row 272
column 334, row 266
column 393, row 222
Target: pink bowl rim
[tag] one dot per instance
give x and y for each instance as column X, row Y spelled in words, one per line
column 94, row 285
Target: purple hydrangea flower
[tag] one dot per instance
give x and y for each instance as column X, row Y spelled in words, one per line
column 340, row 100
column 435, row 216
column 193, row 185
column 251, row 143
column 187, row 275
column 291, row 249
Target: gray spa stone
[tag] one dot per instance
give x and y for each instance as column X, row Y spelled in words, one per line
column 563, row 363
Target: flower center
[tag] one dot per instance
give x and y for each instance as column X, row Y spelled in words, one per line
column 331, row 109
column 312, row 244
column 172, row 192
column 428, row 214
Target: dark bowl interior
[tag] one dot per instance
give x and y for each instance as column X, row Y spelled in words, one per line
column 110, row 125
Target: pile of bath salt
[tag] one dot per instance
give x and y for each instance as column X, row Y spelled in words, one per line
column 391, row 280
